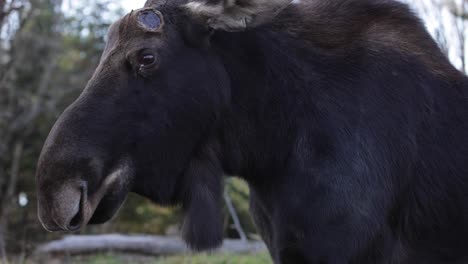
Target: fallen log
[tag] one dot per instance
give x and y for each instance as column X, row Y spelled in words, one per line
column 147, row 245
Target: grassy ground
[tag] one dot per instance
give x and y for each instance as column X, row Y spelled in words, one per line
column 261, row 258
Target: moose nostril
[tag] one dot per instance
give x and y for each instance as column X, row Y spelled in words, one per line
column 63, row 209
column 75, row 222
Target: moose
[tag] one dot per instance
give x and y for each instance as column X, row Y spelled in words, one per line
column 344, row 117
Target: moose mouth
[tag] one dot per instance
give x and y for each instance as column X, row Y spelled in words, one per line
column 92, row 213
column 71, row 208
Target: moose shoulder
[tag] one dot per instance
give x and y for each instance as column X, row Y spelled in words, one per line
column 344, row 117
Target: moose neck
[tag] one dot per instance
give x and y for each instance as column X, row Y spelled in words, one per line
column 266, row 88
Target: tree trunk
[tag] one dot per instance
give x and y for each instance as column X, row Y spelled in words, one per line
column 8, row 196
column 3, row 256
column 147, row 245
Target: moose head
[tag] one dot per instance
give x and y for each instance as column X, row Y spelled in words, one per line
column 147, row 121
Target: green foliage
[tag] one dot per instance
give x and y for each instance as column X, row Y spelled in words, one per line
column 217, row 259
column 142, row 216
column 260, row 258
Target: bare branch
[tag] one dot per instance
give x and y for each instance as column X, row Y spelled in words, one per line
column 235, row 218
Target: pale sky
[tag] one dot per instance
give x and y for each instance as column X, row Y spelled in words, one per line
column 130, row 5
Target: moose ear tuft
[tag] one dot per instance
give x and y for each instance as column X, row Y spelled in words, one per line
column 150, row 19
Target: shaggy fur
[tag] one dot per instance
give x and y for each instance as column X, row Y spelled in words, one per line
column 235, row 15
column 344, row 117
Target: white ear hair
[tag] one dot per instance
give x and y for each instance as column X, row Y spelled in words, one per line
column 237, row 15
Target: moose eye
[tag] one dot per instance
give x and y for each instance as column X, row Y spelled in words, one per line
column 146, row 59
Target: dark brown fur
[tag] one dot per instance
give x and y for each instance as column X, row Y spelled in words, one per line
column 376, row 25
column 343, row 116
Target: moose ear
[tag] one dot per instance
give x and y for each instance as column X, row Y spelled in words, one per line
column 203, row 224
column 236, row 15
column 150, row 19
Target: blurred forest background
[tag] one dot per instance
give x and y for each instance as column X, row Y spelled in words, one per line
column 48, row 51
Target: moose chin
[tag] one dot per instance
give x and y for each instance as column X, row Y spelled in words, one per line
column 346, row 120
